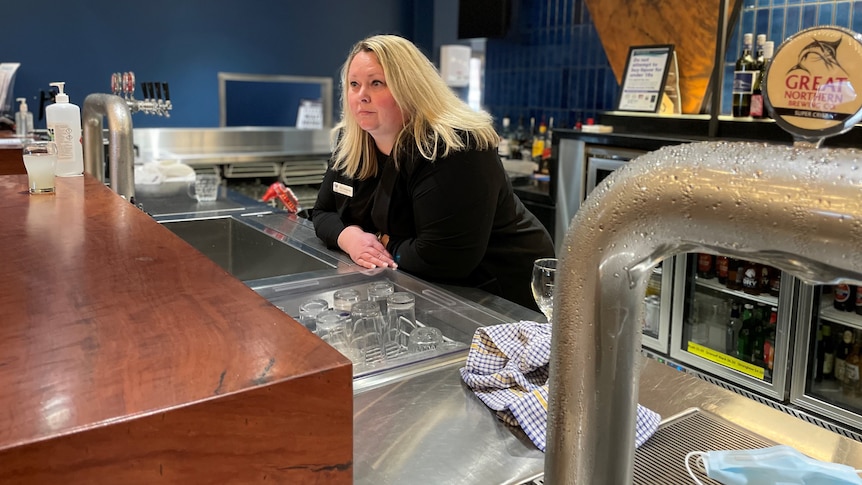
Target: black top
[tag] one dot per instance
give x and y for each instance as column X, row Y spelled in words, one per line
column 455, row 220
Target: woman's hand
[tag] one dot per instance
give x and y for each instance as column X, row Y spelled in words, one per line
column 364, row 248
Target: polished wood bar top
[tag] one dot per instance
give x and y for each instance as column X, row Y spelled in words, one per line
column 124, row 351
column 11, row 160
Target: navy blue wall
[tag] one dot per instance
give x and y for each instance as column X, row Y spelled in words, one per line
column 187, row 42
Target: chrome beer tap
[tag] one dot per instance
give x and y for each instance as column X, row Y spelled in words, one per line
column 153, row 102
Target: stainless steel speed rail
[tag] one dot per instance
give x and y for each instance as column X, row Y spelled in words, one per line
column 796, row 208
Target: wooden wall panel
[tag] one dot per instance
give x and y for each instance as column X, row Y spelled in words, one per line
column 690, row 26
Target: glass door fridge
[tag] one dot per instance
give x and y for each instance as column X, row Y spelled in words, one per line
column 826, row 370
column 657, row 314
column 731, row 319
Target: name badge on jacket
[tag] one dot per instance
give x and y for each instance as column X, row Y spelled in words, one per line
column 342, row 189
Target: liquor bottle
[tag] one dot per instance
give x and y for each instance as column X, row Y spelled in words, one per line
column 828, row 352
column 819, row 354
column 721, row 268
column 546, row 154
column 758, row 108
column 519, row 136
column 743, row 342
column 705, row 266
column 842, row 351
column 758, row 337
column 769, row 344
column 539, row 142
column 858, row 303
column 850, row 384
column 504, row 149
column 744, row 75
column 841, row 298
column 732, row 330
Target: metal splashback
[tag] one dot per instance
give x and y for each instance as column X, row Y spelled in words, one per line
column 798, row 209
column 208, row 146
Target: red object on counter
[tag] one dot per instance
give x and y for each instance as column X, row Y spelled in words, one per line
column 284, row 194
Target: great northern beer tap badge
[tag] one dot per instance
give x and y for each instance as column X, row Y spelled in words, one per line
column 811, row 84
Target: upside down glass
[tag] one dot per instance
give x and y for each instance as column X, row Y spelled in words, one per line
column 544, row 272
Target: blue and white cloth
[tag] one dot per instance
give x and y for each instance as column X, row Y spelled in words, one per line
column 507, row 369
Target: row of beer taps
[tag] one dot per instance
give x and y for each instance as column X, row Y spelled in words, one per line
column 157, row 98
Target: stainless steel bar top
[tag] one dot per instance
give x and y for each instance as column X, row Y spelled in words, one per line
column 430, row 428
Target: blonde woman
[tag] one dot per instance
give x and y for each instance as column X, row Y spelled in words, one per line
column 415, row 181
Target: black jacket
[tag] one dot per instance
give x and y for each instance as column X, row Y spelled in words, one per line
column 455, row 220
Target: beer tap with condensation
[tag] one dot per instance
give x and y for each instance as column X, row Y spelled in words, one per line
column 796, row 208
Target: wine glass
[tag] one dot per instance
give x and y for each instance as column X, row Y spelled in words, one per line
column 544, row 271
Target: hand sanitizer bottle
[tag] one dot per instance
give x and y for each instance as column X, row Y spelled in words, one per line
column 64, row 125
column 23, row 119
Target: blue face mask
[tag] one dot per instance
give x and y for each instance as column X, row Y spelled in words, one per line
column 778, row 465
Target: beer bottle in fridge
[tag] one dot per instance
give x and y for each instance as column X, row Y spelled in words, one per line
column 751, row 278
column 734, row 274
column 721, row 269
column 841, row 298
column 705, row 266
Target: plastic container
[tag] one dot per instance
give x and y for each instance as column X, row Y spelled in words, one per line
column 64, row 125
column 23, row 119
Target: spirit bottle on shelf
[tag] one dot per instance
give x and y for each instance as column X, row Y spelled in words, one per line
column 744, row 77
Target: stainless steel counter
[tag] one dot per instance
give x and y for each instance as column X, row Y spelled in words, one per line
column 430, row 428
column 419, row 423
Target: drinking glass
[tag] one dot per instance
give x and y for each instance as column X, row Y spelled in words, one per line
column 335, row 329
column 308, row 311
column 368, row 332
column 344, row 299
column 380, row 290
column 424, row 339
column 205, row 188
column 401, row 307
column 544, row 272
column 40, row 160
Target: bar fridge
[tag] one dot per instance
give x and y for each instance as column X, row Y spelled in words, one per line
column 826, row 371
column 657, row 303
column 731, row 319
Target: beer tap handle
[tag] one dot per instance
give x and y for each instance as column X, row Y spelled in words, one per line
column 116, row 83
column 145, row 91
column 167, row 93
column 158, row 92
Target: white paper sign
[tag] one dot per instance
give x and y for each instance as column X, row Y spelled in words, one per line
column 643, row 84
column 310, row 115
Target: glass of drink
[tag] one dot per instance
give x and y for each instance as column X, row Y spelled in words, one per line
column 544, row 272
column 40, row 160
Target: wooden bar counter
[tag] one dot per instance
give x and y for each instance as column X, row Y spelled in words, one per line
column 127, row 357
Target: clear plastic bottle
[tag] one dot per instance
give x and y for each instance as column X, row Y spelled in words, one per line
column 64, row 125
column 23, row 119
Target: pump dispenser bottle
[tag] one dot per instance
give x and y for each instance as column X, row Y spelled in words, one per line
column 23, row 119
column 64, row 125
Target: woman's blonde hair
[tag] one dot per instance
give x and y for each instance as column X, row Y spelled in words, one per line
column 433, row 114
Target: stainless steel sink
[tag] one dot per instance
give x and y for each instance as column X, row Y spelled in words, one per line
column 242, row 250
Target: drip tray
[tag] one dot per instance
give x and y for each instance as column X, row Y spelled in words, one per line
column 662, row 458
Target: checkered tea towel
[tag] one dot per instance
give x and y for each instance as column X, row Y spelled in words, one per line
column 507, row 368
